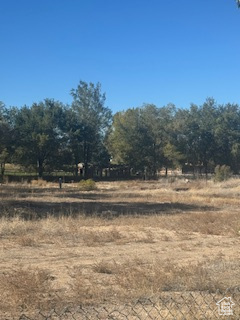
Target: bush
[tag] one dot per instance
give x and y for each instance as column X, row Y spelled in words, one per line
column 87, row 185
column 222, row 173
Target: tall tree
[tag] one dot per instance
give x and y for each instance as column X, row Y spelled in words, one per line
column 139, row 135
column 91, row 121
column 171, row 156
column 38, row 135
column 151, row 122
column 159, row 126
column 196, row 138
column 208, row 113
column 72, row 138
column 5, row 138
column 227, row 136
column 128, row 140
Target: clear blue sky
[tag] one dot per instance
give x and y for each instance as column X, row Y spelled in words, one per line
column 141, row 51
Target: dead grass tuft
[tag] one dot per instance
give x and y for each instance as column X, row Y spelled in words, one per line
column 26, row 289
column 98, row 238
column 39, row 183
column 136, row 279
column 27, row 241
column 16, row 226
column 141, row 279
column 87, row 290
column 148, row 237
column 106, row 267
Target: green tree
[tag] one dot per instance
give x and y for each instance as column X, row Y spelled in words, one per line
column 195, row 133
column 227, row 136
column 222, row 173
column 72, row 139
column 38, row 135
column 4, row 139
column 154, row 137
column 159, row 126
column 89, row 124
column 127, row 139
column 139, row 135
column 171, row 156
column 208, row 114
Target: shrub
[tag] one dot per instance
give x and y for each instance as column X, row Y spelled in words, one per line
column 87, row 185
column 222, row 173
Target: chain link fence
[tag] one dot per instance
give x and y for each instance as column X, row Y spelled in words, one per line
column 169, row 306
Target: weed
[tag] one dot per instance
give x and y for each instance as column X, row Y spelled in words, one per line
column 27, row 241
column 147, row 238
column 222, row 173
column 105, row 267
column 87, row 185
column 87, row 290
column 96, row 238
column 39, row 182
column 26, row 289
column 141, row 279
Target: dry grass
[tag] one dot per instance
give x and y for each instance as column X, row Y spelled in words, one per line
column 98, row 238
column 141, row 279
column 25, row 289
column 137, row 278
column 39, row 183
column 119, row 242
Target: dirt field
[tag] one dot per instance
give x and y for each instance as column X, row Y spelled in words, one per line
column 122, row 241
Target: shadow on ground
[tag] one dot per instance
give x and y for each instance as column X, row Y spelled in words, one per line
column 38, row 203
column 42, row 209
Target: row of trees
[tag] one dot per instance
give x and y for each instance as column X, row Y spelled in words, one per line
column 52, row 136
column 151, row 137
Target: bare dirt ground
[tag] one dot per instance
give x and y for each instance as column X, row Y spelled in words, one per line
column 122, row 241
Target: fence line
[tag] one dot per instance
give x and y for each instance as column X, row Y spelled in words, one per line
column 168, row 306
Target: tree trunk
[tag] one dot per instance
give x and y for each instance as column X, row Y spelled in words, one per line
column 86, row 160
column 86, row 173
column 166, row 171
column 40, row 168
column 2, row 168
column 206, row 170
column 76, row 169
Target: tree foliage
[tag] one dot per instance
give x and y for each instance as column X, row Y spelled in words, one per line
column 49, row 135
column 6, row 137
column 89, row 122
column 38, row 136
column 139, row 138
